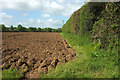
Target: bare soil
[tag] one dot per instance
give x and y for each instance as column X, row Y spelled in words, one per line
column 34, row 53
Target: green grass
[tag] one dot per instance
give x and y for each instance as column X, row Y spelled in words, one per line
column 91, row 62
column 11, row 73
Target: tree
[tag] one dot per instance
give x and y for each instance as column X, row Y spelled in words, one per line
column 47, row 29
column 32, row 29
column 11, row 28
column 2, row 28
column 15, row 29
column 59, row 29
column 7, row 29
column 39, row 30
column 20, row 28
column 54, row 30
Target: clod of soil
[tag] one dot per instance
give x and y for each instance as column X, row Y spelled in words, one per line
column 34, row 53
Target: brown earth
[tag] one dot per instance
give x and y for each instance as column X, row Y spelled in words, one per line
column 34, row 53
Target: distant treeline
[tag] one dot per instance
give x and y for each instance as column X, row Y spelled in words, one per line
column 20, row 28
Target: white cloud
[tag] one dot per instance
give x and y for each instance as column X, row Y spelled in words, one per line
column 12, row 1
column 50, row 20
column 31, row 20
column 53, row 23
column 5, row 16
column 60, row 0
column 19, row 23
column 38, row 21
column 55, row 7
column 25, row 14
column 2, row 22
column 69, row 0
column 45, row 15
column 78, row 0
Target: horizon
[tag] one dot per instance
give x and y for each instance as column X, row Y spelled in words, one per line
column 26, row 27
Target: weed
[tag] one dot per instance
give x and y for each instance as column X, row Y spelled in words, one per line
column 11, row 73
column 91, row 61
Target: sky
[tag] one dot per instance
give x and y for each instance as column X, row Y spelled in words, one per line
column 37, row 13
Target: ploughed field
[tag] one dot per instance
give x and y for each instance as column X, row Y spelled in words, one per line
column 34, row 53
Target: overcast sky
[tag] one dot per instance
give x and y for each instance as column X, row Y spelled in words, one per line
column 37, row 13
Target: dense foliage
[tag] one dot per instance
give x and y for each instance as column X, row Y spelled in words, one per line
column 20, row 28
column 100, row 21
column 66, row 27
